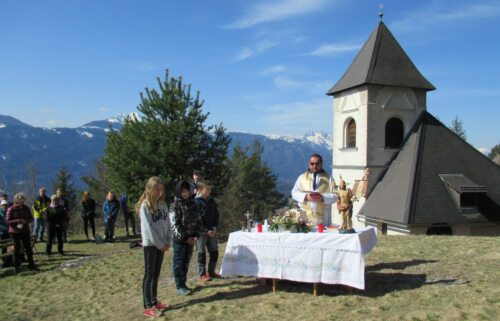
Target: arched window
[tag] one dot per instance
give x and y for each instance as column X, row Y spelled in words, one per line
column 394, row 132
column 350, row 134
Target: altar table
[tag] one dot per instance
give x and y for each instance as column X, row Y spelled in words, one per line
column 328, row 257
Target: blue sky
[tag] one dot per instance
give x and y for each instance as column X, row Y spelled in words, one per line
column 261, row 66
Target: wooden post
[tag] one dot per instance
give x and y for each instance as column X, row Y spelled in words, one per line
column 275, row 285
column 315, row 289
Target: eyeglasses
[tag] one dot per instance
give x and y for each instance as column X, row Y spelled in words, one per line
column 312, row 164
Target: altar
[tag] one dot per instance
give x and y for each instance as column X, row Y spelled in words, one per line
column 328, row 257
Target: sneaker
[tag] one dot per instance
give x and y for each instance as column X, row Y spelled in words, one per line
column 205, row 278
column 152, row 312
column 161, row 306
column 183, row 292
column 215, row 275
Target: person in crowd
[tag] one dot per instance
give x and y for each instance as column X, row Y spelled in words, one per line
column 88, row 214
column 63, row 201
column 55, row 222
column 156, row 239
column 4, row 231
column 5, row 197
column 313, row 190
column 39, row 210
column 110, row 210
column 193, row 183
column 19, row 218
column 128, row 215
column 186, row 227
column 208, row 240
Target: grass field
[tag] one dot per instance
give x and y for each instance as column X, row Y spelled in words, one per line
column 407, row 278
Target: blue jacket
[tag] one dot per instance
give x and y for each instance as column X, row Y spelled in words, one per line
column 110, row 209
column 4, row 227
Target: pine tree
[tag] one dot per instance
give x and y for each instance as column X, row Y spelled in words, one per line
column 457, row 128
column 495, row 154
column 98, row 183
column 252, row 187
column 167, row 139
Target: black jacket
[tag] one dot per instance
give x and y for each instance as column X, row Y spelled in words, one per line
column 186, row 219
column 209, row 213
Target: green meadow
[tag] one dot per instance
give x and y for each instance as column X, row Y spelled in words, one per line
column 407, row 278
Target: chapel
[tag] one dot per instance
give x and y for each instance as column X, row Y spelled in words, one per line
column 411, row 174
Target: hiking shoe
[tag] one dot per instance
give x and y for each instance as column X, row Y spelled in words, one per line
column 183, row 292
column 215, row 275
column 151, row 312
column 205, row 278
column 161, row 306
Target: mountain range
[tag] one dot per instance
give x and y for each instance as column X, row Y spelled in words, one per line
column 28, row 153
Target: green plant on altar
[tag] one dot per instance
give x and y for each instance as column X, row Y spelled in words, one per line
column 292, row 220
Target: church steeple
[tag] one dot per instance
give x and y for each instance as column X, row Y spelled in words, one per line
column 381, row 61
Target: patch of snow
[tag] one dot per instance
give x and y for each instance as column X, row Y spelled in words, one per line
column 85, row 133
column 4, row 157
column 82, row 163
column 2, row 125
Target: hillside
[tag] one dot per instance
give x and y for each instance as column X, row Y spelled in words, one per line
column 26, row 149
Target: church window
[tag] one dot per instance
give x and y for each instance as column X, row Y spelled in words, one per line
column 394, row 132
column 350, row 134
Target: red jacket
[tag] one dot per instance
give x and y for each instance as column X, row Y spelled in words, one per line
column 17, row 215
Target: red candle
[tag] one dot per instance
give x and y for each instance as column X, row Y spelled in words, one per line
column 259, row 228
column 320, row 228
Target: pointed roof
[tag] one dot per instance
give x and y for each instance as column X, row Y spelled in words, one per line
column 381, row 61
column 426, row 179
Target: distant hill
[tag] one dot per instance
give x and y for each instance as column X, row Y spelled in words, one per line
column 25, row 149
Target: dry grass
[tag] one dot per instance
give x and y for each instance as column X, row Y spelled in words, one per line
column 407, row 278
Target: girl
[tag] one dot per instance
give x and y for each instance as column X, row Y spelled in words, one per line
column 156, row 235
column 88, row 214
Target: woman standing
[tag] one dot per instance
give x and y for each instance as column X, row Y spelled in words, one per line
column 19, row 218
column 156, row 235
column 110, row 210
column 88, row 213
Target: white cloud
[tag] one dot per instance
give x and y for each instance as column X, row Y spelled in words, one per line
column 268, row 11
column 332, row 49
column 449, row 12
column 104, row 109
column 299, row 117
column 277, row 69
column 52, row 123
column 259, row 48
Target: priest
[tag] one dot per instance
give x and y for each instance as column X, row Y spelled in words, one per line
column 313, row 190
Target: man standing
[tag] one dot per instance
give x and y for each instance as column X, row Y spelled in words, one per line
column 40, row 206
column 313, row 192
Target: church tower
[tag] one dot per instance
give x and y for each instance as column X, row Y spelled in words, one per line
column 376, row 103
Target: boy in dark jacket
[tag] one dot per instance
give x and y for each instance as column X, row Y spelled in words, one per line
column 56, row 217
column 208, row 240
column 186, row 228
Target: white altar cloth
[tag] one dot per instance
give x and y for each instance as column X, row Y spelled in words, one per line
column 330, row 258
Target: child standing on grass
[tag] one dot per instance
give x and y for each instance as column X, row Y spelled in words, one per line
column 208, row 240
column 187, row 227
column 156, row 239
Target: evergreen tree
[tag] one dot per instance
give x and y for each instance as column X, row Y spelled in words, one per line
column 169, row 139
column 64, row 181
column 457, row 128
column 252, row 187
column 98, row 184
column 495, row 154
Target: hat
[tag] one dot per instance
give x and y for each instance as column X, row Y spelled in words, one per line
column 4, row 202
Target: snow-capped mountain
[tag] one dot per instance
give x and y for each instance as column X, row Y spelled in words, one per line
column 24, row 149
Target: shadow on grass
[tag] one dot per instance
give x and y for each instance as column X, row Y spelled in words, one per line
column 256, row 289
column 397, row 265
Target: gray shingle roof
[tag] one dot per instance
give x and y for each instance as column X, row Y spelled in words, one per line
column 381, row 61
column 412, row 191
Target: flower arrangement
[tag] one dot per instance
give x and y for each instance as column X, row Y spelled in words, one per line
column 293, row 220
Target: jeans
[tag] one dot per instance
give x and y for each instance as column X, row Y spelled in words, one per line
column 109, row 228
column 24, row 238
column 204, row 243
column 86, row 220
column 153, row 259
column 55, row 231
column 182, row 256
column 39, row 228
